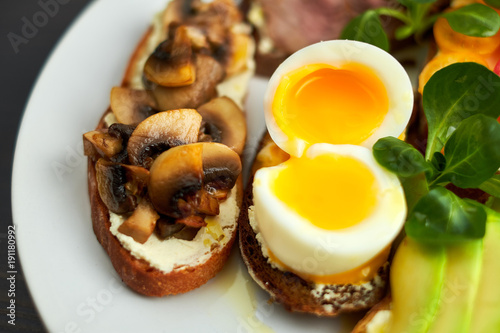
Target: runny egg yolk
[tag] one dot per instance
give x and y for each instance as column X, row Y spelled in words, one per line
column 331, row 191
column 358, row 275
column 337, row 105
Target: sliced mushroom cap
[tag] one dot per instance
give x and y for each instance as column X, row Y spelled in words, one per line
column 174, row 174
column 123, row 132
column 209, row 73
column 100, row 143
column 224, row 121
column 111, row 179
column 167, row 227
column 198, row 38
column 221, row 166
column 141, row 224
column 195, row 221
column 187, row 233
column 160, row 132
column 110, row 144
column 178, row 176
column 131, row 106
column 137, row 179
column 172, row 63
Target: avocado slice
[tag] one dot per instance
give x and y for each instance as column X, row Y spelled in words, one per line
column 417, row 278
column 462, row 277
column 486, row 314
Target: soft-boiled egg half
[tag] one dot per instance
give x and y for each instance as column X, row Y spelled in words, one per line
column 338, row 92
column 330, row 213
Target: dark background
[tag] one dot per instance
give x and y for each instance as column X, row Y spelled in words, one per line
column 18, row 75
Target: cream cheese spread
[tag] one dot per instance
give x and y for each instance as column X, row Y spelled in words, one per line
column 169, row 254
column 380, row 322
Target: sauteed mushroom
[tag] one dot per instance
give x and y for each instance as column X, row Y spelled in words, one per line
column 167, row 227
column 221, row 167
column 100, row 143
column 184, row 178
column 110, row 144
column 209, row 73
column 123, row 132
column 224, row 122
column 160, row 132
column 141, row 224
column 131, row 106
column 172, row 63
column 175, row 174
column 119, row 184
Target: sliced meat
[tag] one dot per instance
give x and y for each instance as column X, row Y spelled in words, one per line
column 294, row 24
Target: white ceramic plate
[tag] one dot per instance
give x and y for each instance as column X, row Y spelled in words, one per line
column 70, row 277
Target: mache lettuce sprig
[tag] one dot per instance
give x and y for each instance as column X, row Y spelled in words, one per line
column 461, row 103
column 417, row 17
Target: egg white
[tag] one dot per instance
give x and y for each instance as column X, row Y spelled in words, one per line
column 337, row 53
column 309, row 249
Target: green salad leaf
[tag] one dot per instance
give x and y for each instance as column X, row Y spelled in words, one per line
column 493, row 204
column 492, row 186
column 454, row 93
column 403, row 32
column 367, row 28
column 399, row 157
column 475, row 20
column 472, row 152
column 493, row 3
column 417, row 17
column 461, row 103
column 438, row 164
column 441, row 217
column 415, row 187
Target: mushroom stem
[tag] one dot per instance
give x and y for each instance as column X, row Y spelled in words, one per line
column 141, row 224
column 100, row 143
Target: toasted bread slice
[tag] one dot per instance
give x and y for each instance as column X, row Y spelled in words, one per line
column 138, row 274
column 201, row 258
column 295, row 293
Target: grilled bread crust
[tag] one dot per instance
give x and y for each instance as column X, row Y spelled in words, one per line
column 295, row 293
column 138, row 274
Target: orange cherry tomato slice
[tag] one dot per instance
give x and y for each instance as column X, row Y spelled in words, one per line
column 449, row 40
column 444, row 59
